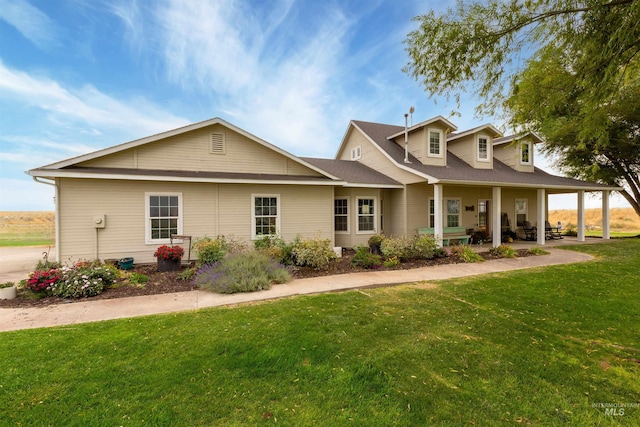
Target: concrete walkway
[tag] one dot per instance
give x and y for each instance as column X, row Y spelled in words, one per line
column 91, row 311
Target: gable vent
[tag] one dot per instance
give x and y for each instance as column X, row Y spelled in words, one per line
column 217, row 145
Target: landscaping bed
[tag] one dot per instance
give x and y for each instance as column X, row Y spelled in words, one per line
column 168, row 282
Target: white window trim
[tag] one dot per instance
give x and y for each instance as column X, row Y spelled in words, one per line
column 445, row 212
column 375, row 215
column 255, row 236
column 348, row 214
column 482, row 159
column 356, row 153
column 530, row 145
column 147, row 228
column 441, row 135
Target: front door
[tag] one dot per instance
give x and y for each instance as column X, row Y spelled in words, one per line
column 484, row 219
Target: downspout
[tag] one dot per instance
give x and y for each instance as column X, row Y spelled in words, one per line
column 56, row 213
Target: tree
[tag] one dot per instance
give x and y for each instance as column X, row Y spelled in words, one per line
column 603, row 145
column 579, row 89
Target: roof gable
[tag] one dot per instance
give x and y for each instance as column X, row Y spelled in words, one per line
column 268, row 157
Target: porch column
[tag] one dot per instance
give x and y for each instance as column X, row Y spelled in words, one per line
column 581, row 216
column 438, row 213
column 496, row 205
column 541, row 215
column 606, row 230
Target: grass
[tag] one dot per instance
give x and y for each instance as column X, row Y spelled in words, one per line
column 27, row 228
column 537, row 347
column 620, row 219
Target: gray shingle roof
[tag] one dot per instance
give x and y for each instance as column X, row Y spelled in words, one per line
column 353, row 172
column 460, row 171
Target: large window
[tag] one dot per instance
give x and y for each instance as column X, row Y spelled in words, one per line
column 366, row 215
column 266, row 215
column 163, row 216
column 483, row 148
column 435, row 143
column 521, row 211
column 341, row 215
column 525, row 153
column 432, row 213
column 453, row 212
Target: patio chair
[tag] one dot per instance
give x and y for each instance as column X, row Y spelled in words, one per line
column 552, row 233
column 530, row 232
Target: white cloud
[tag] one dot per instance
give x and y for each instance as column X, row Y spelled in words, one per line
column 30, row 22
column 86, row 105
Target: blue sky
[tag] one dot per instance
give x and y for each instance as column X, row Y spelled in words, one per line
column 81, row 75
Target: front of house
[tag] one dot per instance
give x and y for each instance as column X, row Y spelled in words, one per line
column 212, row 178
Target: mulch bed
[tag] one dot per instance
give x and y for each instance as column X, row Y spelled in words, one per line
column 168, row 282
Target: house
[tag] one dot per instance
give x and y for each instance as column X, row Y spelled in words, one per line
column 212, row 178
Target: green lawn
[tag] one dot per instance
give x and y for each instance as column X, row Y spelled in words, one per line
column 533, row 347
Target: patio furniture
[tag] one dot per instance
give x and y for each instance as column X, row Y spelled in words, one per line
column 530, row 232
column 552, row 233
column 448, row 233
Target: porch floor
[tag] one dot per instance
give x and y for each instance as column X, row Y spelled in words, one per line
column 526, row 244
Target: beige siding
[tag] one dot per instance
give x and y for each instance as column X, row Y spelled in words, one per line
column 372, row 157
column 208, row 210
column 191, row 151
column 466, row 148
column 124, row 159
column 418, row 207
column 507, row 154
column 354, row 238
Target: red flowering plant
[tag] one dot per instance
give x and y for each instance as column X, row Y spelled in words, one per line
column 41, row 280
column 169, row 252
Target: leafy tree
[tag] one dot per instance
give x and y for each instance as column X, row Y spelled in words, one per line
column 579, row 90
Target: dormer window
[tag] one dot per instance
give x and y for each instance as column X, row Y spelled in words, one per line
column 525, row 153
column 435, row 143
column 483, row 149
column 356, row 153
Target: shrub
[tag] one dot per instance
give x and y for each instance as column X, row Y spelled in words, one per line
column 41, row 280
column 138, row 278
column 210, row 250
column 276, row 248
column 83, row 280
column 424, row 247
column 246, row 272
column 366, row 259
column 503, row 251
column 376, row 240
column 398, row 247
column 537, row 251
column 314, row 253
column 465, row 253
column 392, row 262
column 187, row 274
column 571, row 230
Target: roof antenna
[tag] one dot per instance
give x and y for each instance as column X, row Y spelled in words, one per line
column 406, row 138
column 411, row 110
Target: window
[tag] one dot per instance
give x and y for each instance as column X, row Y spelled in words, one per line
column 432, row 213
column 366, row 215
column 521, row 211
column 453, row 212
column 163, row 216
column 525, row 153
column 435, row 143
column 341, row 215
column 356, row 153
column 266, row 215
column 483, row 148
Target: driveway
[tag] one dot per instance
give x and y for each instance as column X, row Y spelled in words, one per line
column 17, row 263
